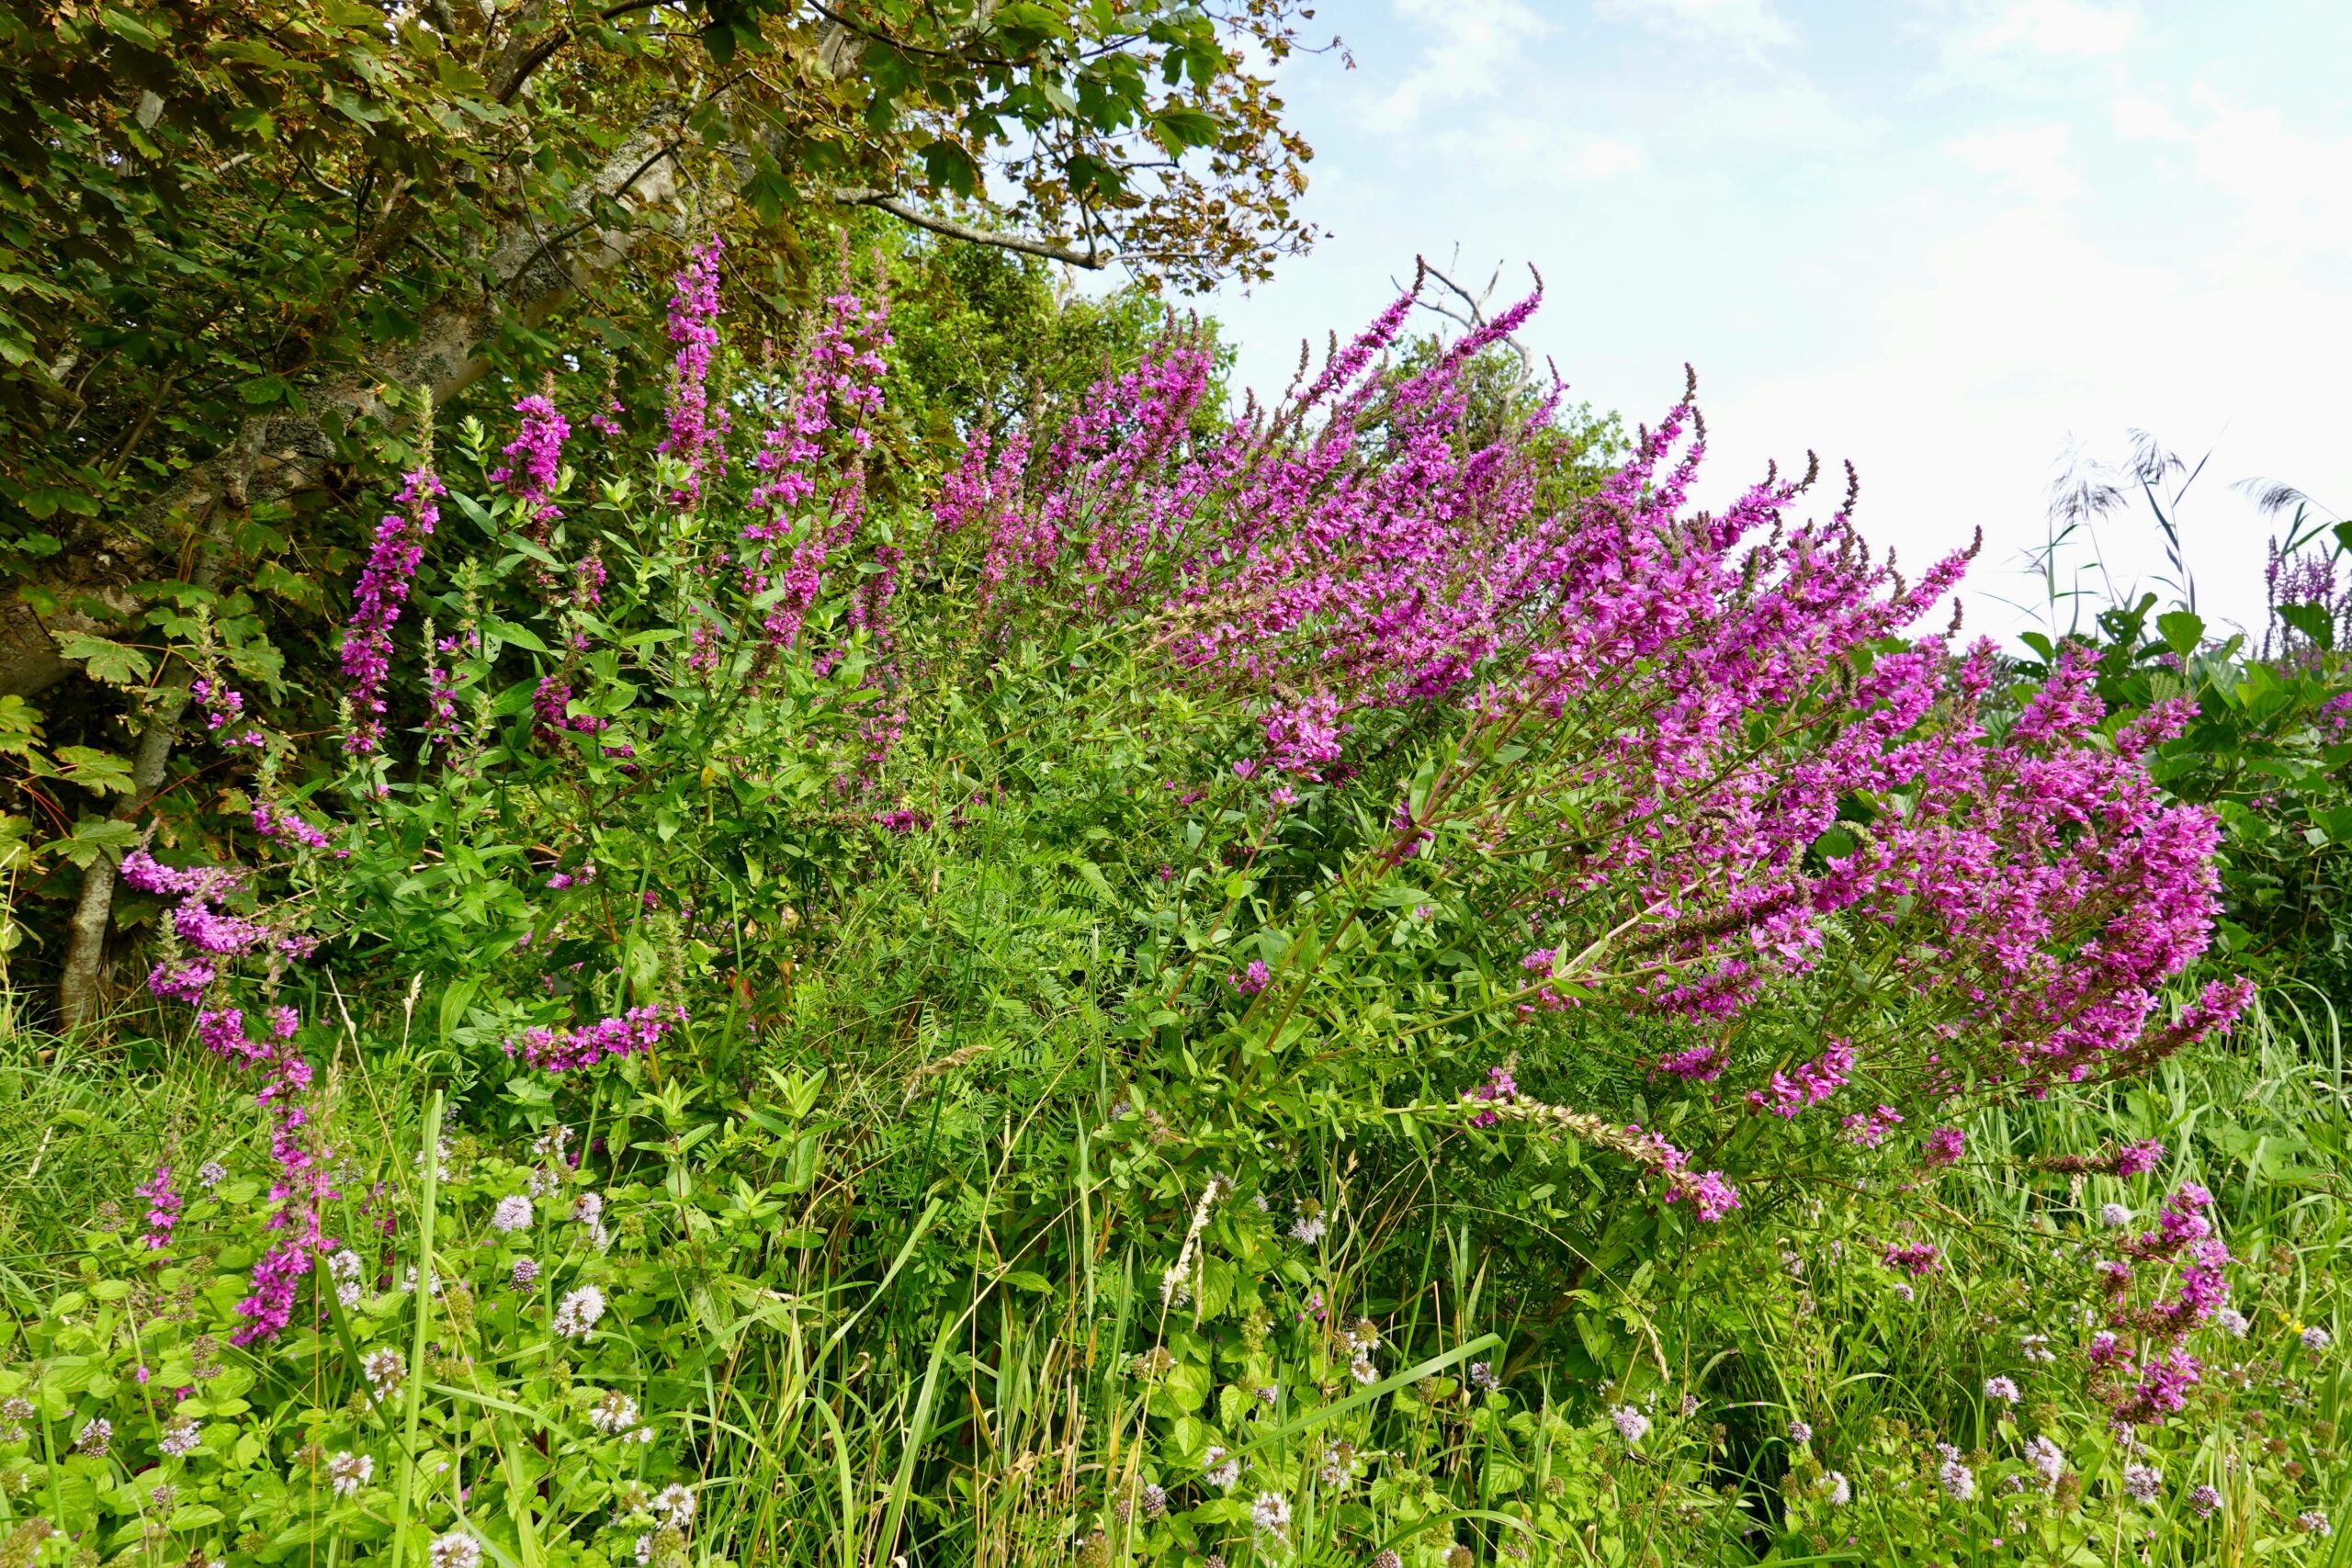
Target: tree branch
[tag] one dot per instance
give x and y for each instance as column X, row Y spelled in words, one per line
column 278, row 455
column 1027, row 244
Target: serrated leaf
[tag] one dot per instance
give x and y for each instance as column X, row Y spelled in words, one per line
column 101, row 772
column 117, row 664
column 92, row 836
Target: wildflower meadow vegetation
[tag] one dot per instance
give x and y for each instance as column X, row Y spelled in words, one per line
column 881, row 927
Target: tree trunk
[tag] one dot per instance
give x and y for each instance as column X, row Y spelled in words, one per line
column 81, row 990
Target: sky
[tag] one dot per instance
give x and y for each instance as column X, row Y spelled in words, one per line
column 1952, row 240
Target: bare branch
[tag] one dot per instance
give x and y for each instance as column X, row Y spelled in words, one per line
column 1027, row 244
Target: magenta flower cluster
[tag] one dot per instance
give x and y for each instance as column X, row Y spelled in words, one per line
column 301, row 1188
column 162, row 1209
column 224, row 713
column 829, row 412
column 698, row 428
column 1352, row 559
column 1499, row 1084
column 1810, row 1084
column 376, row 602
column 284, row 826
column 2143, row 1367
column 564, row 1050
column 535, row 460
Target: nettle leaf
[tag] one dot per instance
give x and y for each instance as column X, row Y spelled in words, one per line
column 117, row 664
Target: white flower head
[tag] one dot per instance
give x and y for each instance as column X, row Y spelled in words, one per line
column 1219, row 1471
column 675, row 1505
column 383, row 1368
column 459, row 1549
column 578, row 1311
column 2048, row 1460
column 344, row 1269
column 614, row 1415
column 513, row 1213
column 1631, row 1425
column 350, row 1471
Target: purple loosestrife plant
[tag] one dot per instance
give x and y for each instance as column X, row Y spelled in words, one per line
column 697, row 422
column 302, row 1188
column 376, row 604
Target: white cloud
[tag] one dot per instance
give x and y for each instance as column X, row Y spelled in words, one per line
column 1940, row 247
column 2036, row 162
column 2287, row 182
column 2053, row 30
column 1751, row 25
column 1468, row 46
column 1519, row 153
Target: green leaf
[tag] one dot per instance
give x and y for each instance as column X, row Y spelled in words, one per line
column 48, row 500
column 1178, row 129
column 768, row 193
column 1187, row 1387
column 94, row 835
column 458, row 995
column 507, row 631
column 354, row 106
column 2183, row 631
column 123, row 25
column 99, row 771
column 2313, row 621
column 951, row 168
column 117, row 664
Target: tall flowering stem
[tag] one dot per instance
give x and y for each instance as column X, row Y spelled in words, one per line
column 533, row 468
column 383, row 588
column 697, row 425
column 301, row 1189
column 1729, row 683
column 829, row 411
column 1712, row 1197
column 565, row 1050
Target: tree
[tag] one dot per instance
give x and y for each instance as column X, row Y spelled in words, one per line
column 242, row 243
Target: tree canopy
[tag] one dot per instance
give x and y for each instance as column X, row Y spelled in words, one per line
column 243, row 244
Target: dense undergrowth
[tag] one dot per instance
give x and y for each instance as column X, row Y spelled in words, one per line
column 812, row 1409
column 1346, row 985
